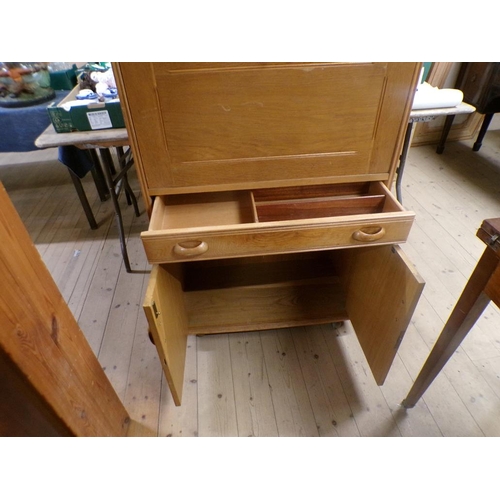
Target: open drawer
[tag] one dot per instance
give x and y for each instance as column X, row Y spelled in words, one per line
column 373, row 287
column 205, row 226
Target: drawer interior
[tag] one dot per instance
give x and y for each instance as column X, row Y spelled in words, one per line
column 202, row 210
column 271, row 205
column 310, row 202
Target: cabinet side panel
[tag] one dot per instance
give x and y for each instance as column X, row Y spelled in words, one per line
column 382, row 292
column 401, row 82
column 138, row 97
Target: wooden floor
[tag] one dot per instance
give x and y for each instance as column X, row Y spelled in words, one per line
column 309, row 381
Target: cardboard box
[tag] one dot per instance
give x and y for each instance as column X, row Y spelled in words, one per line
column 94, row 116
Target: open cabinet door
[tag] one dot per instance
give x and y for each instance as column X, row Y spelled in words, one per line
column 166, row 315
column 51, row 383
column 383, row 289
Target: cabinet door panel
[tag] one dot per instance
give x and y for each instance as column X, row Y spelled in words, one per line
column 166, row 315
column 382, row 292
column 240, row 125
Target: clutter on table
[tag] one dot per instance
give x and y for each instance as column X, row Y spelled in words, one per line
column 24, row 84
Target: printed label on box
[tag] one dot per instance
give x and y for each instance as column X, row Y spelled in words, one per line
column 99, row 120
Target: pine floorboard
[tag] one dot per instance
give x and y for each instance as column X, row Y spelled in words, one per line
column 307, row 381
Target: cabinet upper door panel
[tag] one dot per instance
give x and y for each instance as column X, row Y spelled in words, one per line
column 209, row 126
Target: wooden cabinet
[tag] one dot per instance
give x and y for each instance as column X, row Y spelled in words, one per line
column 268, row 191
column 480, row 83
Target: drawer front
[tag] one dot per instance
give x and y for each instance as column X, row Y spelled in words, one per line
column 262, row 240
column 274, row 221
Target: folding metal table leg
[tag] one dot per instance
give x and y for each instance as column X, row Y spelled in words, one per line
column 125, row 166
column 108, row 167
column 98, row 176
column 402, row 161
column 83, row 199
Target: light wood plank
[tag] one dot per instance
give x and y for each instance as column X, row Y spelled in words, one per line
column 490, row 370
column 144, row 376
column 292, row 407
column 478, row 396
column 416, row 423
column 445, row 405
column 181, row 421
column 254, row 406
column 371, row 413
column 118, row 337
column 216, row 402
column 97, row 307
column 331, row 408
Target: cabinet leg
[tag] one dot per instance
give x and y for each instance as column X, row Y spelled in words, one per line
column 482, row 132
column 467, row 311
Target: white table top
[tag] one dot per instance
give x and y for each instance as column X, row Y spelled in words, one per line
column 111, row 137
column 429, row 114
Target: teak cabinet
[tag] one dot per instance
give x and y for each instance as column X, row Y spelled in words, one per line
column 267, row 186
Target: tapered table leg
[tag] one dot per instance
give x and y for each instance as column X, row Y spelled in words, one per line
column 467, row 311
column 482, row 132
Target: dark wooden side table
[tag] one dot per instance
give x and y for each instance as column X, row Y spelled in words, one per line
column 483, row 286
column 480, row 83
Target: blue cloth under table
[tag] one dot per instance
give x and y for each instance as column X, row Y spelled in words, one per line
column 19, row 129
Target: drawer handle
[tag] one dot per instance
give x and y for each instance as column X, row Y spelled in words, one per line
column 190, row 249
column 369, row 234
